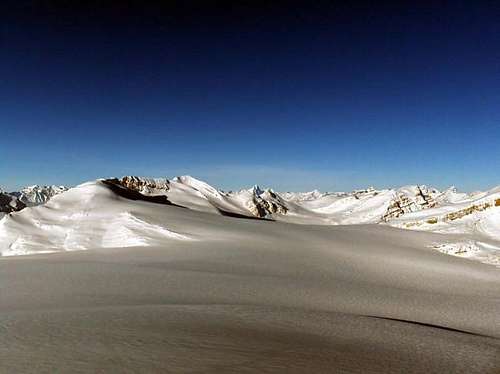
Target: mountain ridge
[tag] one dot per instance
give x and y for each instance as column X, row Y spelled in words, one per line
column 474, row 218
column 265, row 202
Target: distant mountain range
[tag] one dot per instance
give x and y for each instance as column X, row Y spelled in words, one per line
column 33, row 195
column 314, row 207
column 415, row 207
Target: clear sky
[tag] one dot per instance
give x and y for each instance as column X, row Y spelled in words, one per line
column 289, row 95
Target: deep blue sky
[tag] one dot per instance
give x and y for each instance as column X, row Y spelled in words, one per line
column 294, row 96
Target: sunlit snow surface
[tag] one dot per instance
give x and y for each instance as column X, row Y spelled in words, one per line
column 93, row 216
column 476, row 250
column 87, row 216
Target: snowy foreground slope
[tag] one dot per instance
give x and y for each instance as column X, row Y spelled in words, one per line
column 90, row 215
column 190, row 279
column 28, row 196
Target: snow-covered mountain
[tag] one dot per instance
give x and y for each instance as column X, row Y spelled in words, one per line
column 361, row 206
column 99, row 213
column 478, row 212
column 90, row 215
column 198, row 195
column 36, row 195
column 27, row 197
column 403, row 207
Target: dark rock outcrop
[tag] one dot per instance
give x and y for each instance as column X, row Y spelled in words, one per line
column 405, row 203
column 10, row 203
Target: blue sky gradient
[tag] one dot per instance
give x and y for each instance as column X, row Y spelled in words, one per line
column 335, row 97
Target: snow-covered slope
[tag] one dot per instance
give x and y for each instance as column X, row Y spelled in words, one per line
column 88, row 216
column 477, row 216
column 362, row 206
column 232, row 294
column 477, row 213
column 406, row 207
column 98, row 213
column 194, row 194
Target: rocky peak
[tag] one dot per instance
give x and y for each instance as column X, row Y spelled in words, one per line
column 410, row 199
column 10, row 203
column 147, row 186
column 370, row 191
column 266, row 203
column 36, row 195
column 257, row 191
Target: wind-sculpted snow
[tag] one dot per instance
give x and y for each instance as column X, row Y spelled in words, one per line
column 198, row 292
column 476, row 216
column 410, row 207
column 88, row 216
column 115, row 223
column 362, row 206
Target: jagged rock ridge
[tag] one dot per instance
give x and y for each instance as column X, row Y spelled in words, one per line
column 10, row 203
column 145, row 185
column 410, row 199
column 36, row 195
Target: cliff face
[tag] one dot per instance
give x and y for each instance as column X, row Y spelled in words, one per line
column 145, row 185
column 368, row 192
column 28, row 196
column 266, row 203
column 409, row 200
column 36, row 195
column 10, row 203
